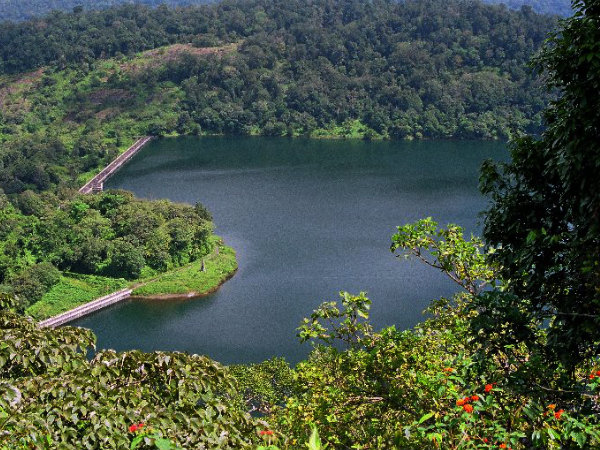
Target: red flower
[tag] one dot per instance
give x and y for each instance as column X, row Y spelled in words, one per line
column 133, row 428
column 475, row 398
column 266, row 433
column 598, row 373
column 485, row 440
column 559, row 413
column 141, row 425
column 468, row 408
column 460, row 402
column 592, row 376
column 448, row 369
column 488, row 387
column 502, row 445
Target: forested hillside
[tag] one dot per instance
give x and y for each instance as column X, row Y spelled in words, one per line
column 559, row 7
column 426, row 68
column 16, row 10
column 111, row 235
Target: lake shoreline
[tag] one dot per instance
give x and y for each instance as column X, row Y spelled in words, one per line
column 307, row 217
column 220, row 267
column 191, row 295
column 197, row 279
column 325, row 136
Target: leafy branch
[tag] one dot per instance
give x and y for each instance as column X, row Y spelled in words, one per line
column 446, row 249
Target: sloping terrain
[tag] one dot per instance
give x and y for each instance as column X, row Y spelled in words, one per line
column 16, row 10
column 558, row 7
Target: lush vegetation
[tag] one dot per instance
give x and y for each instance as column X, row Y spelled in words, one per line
column 73, row 290
column 560, row 7
column 199, row 277
column 16, row 10
column 59, row 128
column 546, row 206
column 512, row 361
column 402, row 70
column 53, row 396
column 110, row 234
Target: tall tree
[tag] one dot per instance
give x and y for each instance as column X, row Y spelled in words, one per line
column 545, row 213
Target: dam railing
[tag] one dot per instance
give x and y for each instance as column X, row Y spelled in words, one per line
column 86, row 309
column 96, row 184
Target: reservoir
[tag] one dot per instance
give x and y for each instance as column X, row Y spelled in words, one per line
column 307, row 218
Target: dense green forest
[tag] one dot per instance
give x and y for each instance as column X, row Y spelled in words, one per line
column 512, row 361
column 393, row 70
column 559, row 7
column 17, row 10
column 111, row 234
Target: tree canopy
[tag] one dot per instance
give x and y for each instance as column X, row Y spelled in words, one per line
column 53, row 396
column 109, row 234
column 560, row 7
column 16, row 10
column 545, row 215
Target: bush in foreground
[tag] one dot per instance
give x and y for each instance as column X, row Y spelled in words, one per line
column 52, row 396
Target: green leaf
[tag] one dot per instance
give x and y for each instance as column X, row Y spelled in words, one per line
column 163, row 444
column 580, row 438
column 425, row 417
column 136, row 441
column 553, row 434
column 314, row 442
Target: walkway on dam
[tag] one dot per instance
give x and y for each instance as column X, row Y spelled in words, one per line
column 96, row 184
column 86, row 309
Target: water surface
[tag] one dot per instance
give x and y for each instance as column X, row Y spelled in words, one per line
column 308, row 218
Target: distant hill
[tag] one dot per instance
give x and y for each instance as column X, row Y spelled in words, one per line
column 349, row 68
column 17, row 10
column 558, row 7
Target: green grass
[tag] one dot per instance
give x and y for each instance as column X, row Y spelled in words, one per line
column 218, row 268
column 74, row 290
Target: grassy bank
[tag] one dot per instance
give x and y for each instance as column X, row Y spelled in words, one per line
column 190, row 279
column 74, row 290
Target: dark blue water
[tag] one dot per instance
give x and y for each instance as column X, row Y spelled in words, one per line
column 308, row 218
